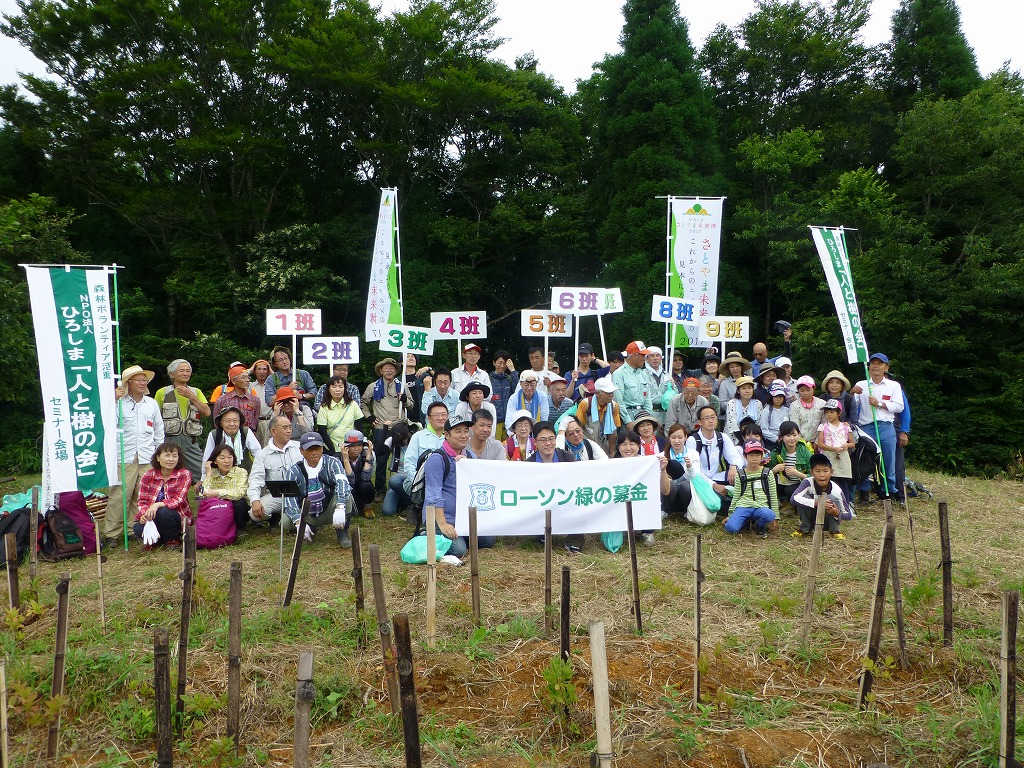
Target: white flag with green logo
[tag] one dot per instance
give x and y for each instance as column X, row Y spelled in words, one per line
column 695, row 231
column 831, row 245
column 383, row 300
column 75, row 345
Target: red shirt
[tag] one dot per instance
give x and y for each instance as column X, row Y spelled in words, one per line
column 175, row 491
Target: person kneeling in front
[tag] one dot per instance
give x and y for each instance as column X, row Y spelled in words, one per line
column 321, row 480
column 439, row 488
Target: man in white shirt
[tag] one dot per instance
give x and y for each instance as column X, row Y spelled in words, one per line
column 442, row 391
column 139, row 418
column 470, row 371
column 272, row 463
column 880, row 399
column 718, row 458
column 424, row 441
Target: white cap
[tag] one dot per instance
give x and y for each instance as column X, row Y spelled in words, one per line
column 784, row 361
column 605, row 384
column 655, row 351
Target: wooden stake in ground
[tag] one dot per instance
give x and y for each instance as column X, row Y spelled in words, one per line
column 13, row 589
column 33, row 531
column 300, row 536
column 431, row 579
column 384, row 627
column 186, row 577
column 4, row 740
column 99, row 571
column 357, row 579
column 1008, row 682
column 812, row 569
column 698, row 579
column 633, row 569
column 897, row 594
column 410, row 717
column 563, row 638
column 549, row 616
column 305, row 692
column 602, row 703
column 234, row 651
column 57, row 687
column 867, row 676
column 474, row 567
column 947, row 575
column 162, row 694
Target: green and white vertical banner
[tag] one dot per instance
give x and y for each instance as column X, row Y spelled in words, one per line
column 831, row 245
column 384, row 298
column 695, row 237
column 75, row 344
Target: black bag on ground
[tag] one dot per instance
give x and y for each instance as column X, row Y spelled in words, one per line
column 18, row 523
column 59, row 537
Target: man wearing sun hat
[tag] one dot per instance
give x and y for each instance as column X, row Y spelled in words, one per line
column 143, row 430
column 470, row 370
column 635, row 388
column 239, row 396
column 880, row 398
column 386, row 401
column 473, row 397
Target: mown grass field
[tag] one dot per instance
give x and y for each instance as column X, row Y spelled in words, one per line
column 491, row 696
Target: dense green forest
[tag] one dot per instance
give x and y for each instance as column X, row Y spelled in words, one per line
column 230, row 156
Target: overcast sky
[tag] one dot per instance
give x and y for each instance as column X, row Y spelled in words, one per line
column 569, row 36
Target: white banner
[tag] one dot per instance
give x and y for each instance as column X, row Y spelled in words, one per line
column 74, row 342
column 586, row 497
column 831, row 245
column 328, row 350
column 458, row 325
column 541, row 322
column 384, row 296
column 696, row 232
column 587, row 301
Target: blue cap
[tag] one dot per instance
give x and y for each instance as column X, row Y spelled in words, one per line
column 879, row 356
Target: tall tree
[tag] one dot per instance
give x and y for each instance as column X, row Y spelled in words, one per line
column 652, row 125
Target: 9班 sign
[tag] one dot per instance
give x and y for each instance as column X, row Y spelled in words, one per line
column 586, row 301
column 454, row 325
column 540, row 322
column 328, row 350
column 406, row 338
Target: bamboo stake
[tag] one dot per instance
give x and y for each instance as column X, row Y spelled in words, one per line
column 234, row 652
column 431, row 579
column 410, row 716
column 563, row 645
column 162, row 694
column 99, row 572
column 4, row 739
column 13, row 589
column 384, row 628
column 867, row 676
column 602, row 702
column 1008, row 682
column 357, row 578
column 293, row 570
column 812, row 569
column 633, row 569
column 474, row 566
column 57, row 687
column 305, row 692
column 33, row 533
column 897, row 594
column 549, row 616
column 947, row 576
column 698, row 579
column 186, row 618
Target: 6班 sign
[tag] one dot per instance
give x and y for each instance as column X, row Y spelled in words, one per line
column 541, row 322
column 294, row 322
column 454, row 325
column 586, row 301
column 328, row 350
column 406, row 338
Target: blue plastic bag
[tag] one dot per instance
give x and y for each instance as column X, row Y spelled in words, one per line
column 415, row 550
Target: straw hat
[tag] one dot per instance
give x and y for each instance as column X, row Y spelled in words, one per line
column 135, row 370
column 736, row 357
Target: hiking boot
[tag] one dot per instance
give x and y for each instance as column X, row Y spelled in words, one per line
column 344, row 539
column 838, row 536
column 572, row 549
column 798, row 534
column 647, row 539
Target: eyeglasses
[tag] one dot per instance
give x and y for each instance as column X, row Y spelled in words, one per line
column 544, row 439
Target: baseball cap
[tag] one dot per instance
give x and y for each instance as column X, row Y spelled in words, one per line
column 691, row 382
column 879, row 356
column 752, row 446
column 655, row 351
column 469, row 347
column 309, row 440
column 834, row 405
column 354, row 437
column 783, row 361
column 605, row 384
column 805, row 381
column 636, row 348
column 455, row 420
column 586, row 349
column 777, row 388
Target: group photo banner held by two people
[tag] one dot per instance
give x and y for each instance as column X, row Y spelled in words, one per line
column 586, row 497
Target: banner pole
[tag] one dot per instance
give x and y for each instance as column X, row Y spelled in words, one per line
column 668, row 260
column 120, row 412
column 398, row 260
column 604, row 347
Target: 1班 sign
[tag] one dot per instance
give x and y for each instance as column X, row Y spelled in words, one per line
column 294, row 322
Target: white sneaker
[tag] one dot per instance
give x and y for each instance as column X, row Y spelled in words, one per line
column 647, row 539
column 309, row 533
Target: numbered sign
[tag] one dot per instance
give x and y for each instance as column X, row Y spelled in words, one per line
column 722, row 328
column 327, row 350
column 669, row 309
column 540, row 322
column 406, row 338
column 454, row 325
column 586, row 301
column 294, row 322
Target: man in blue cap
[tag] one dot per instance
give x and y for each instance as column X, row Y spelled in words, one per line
column 880, row 400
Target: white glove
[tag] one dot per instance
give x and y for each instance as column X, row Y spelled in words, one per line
column 309, row 533
column 339, row 516
column 150, row 535
column 451, row 560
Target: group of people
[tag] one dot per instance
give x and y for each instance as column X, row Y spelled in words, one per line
column 756, row 433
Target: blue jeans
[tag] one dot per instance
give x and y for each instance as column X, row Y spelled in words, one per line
column 396, row 499
column 887, row 443
column 742, row 515
column 460, row 545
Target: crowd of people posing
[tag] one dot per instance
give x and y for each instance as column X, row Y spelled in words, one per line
column 730, row 434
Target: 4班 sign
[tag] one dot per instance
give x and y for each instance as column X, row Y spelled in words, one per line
column 458, row 325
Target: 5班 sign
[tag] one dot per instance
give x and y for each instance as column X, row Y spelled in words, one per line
column 541, row 322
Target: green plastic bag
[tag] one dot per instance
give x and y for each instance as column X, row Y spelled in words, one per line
column 415, row 550
column 667, row 395
column 702, row 487
column 612, row 540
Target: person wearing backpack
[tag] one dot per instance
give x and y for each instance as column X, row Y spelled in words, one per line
column 718, row 458
column 183, row 409
column 232, row 431
column 755, row 499
column 790, row 461
column 439, row 489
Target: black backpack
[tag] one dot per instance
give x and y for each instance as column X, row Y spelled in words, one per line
column 18, row 523
column 744, row 481
column 59, row 537
column 418, row 491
